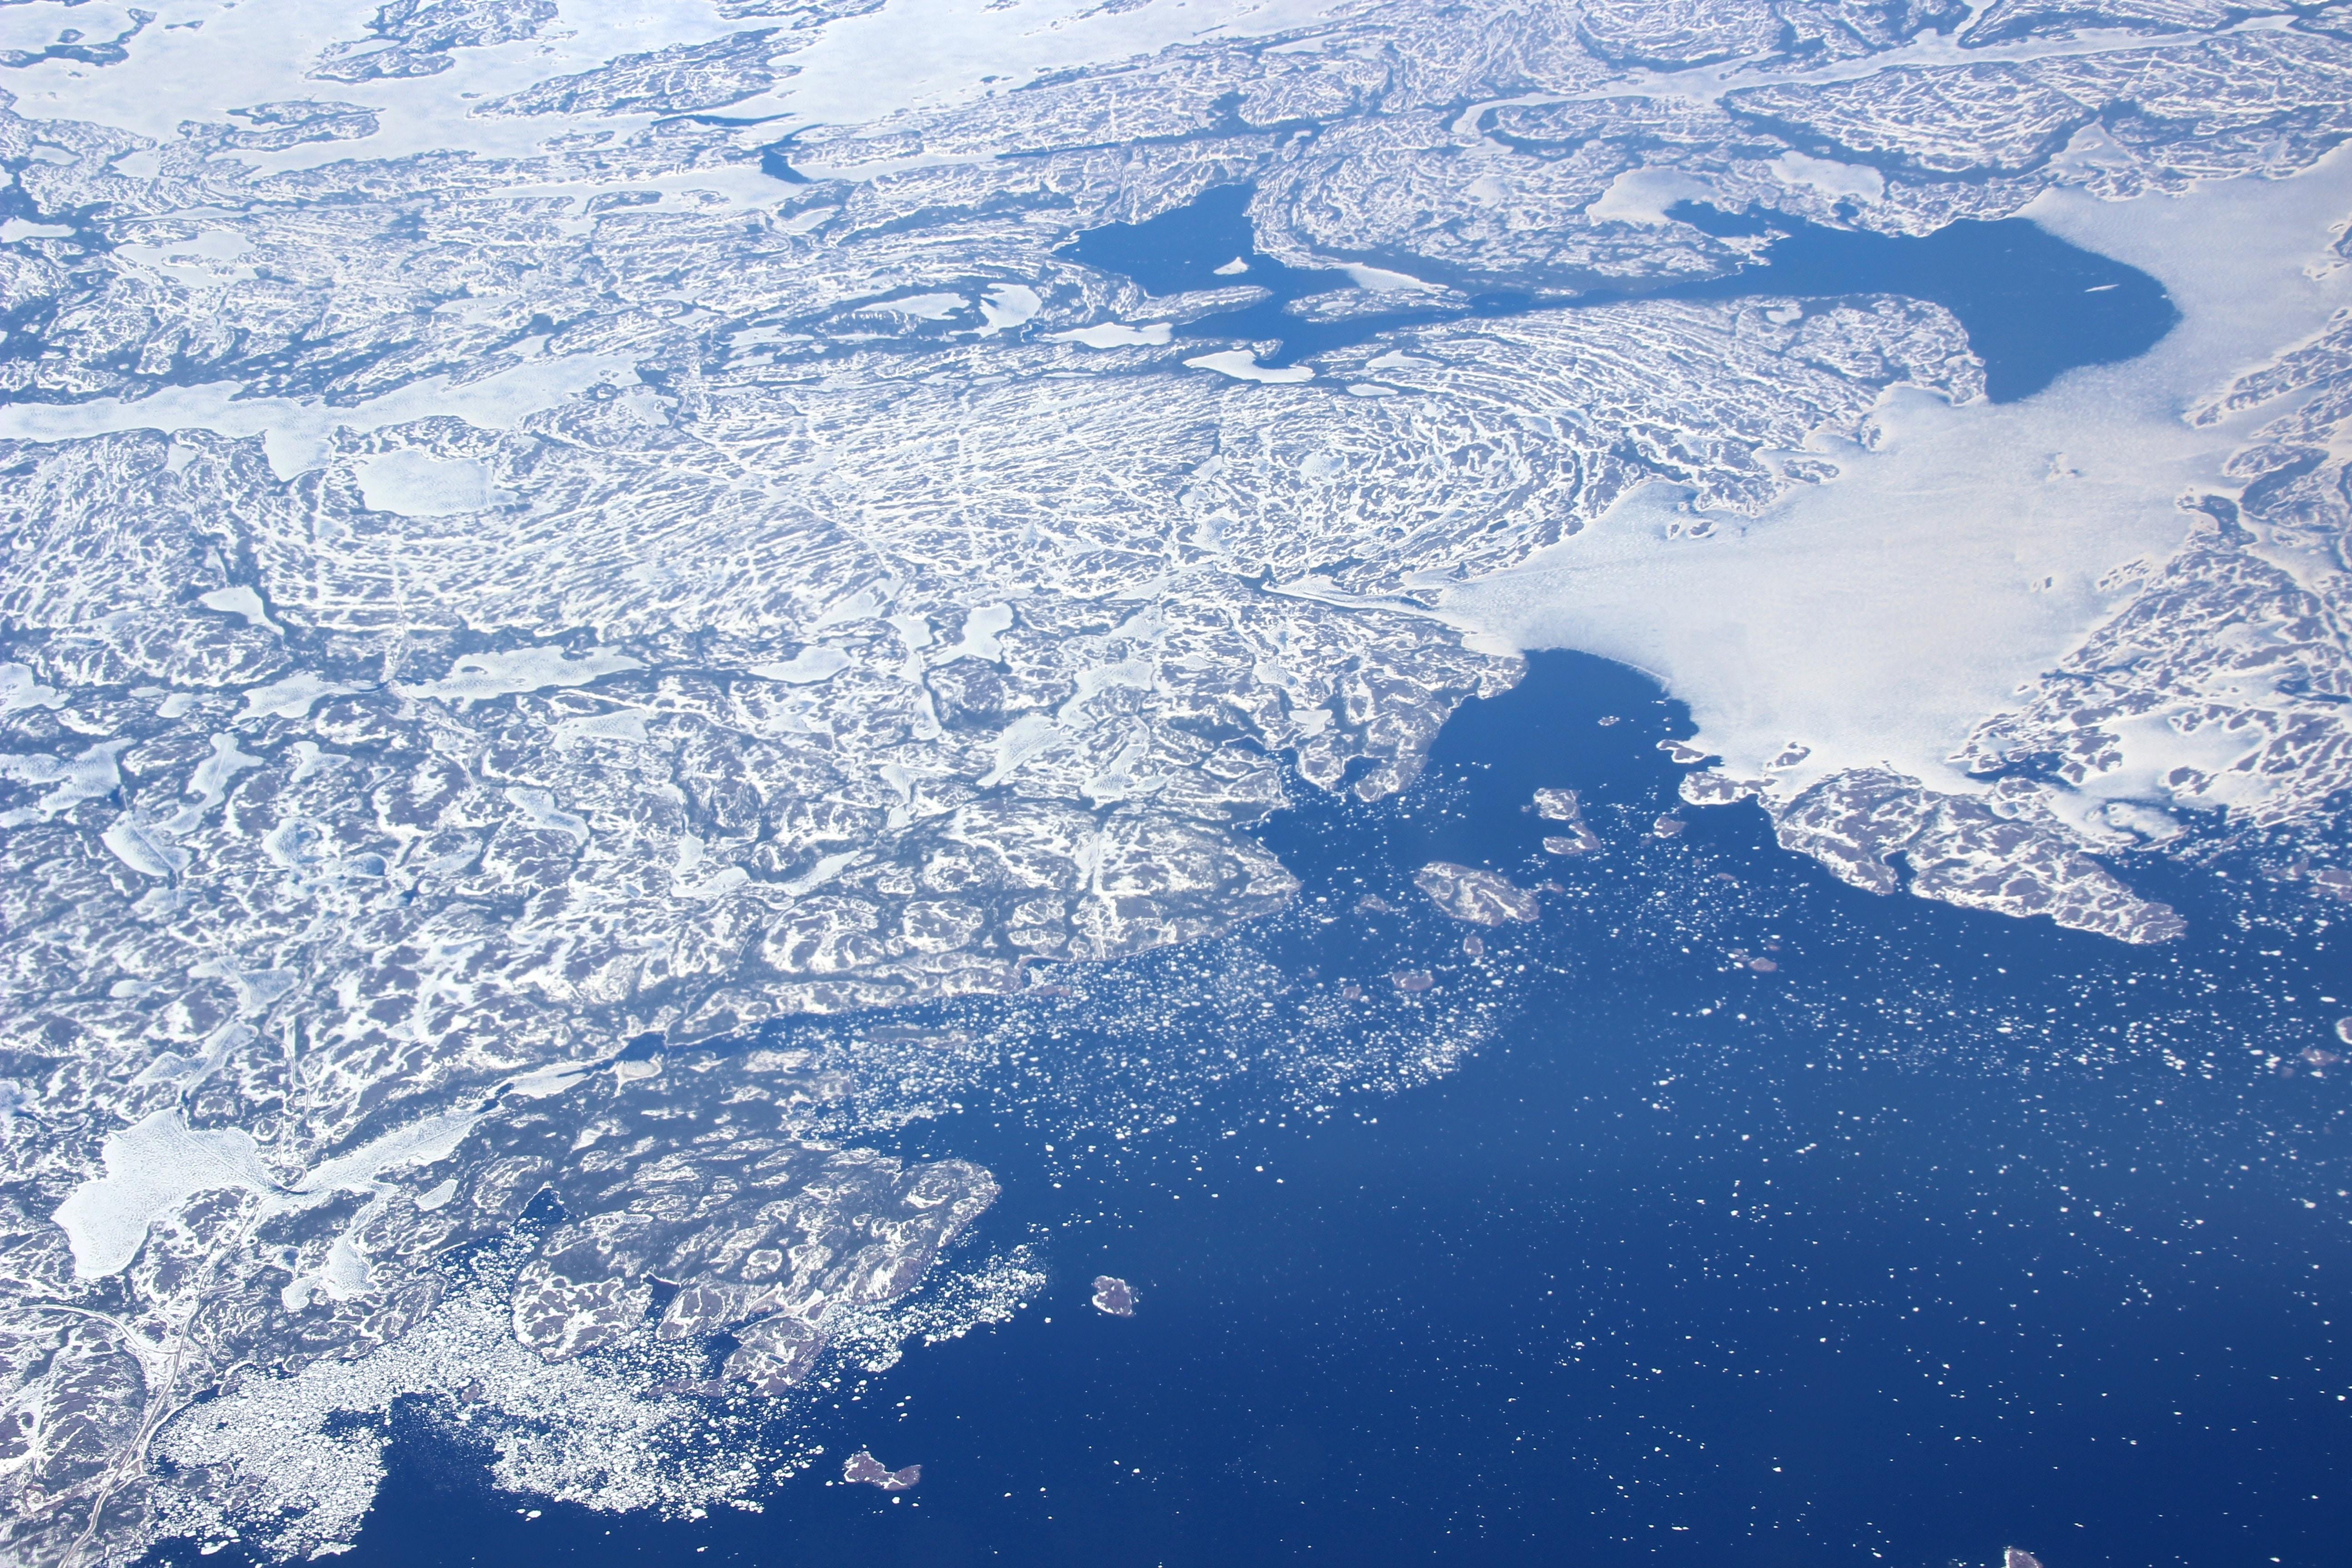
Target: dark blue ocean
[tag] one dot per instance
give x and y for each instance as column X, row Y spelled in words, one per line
column 1950, row 1233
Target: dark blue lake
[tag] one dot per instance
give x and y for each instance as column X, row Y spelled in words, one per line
column 1946, row 1234
column 2035, row 306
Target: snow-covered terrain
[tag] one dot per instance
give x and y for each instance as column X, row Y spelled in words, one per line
column 538, row 533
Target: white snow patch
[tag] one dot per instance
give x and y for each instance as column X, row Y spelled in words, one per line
column 237, row 599
column 20, row 689
column 151, row 1167
column 144, row 849
column 1487, row 190
column 1380, row 281
column 210, row 781
column 1242, row 365
column 932, row 54
column 425, row 1141
column 1830, row 177
column 1116, row 335
column 920, row 306
column 810, row 666
column 538, row 808
column 295, row 434
column 1642, row 195
column 480, row 676
column 1884, row 614
column 1008, row 305
column 417, row 484
column 627, row 725
column 1031, row 735
column 94, row 773
column 982, row 628
column 545, row 1083
column 292, row 697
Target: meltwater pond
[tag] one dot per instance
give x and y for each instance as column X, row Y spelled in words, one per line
column 1726, row 1215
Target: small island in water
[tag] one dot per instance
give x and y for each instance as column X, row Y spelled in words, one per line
column 862, row 1469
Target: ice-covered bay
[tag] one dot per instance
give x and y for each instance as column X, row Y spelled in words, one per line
column 1877, row 619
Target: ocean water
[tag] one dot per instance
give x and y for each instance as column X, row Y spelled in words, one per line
column 2033, row 305
column 1946, row 1234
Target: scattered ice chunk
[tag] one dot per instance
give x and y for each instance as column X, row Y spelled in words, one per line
column 702, row 522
